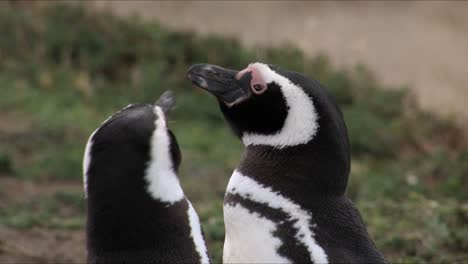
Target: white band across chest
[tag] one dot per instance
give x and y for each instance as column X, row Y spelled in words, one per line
column 250, row 189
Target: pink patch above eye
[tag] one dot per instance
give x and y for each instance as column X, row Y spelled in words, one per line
column 257, row 84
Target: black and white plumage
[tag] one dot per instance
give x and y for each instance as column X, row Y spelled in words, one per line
column 136, row 210
column 286, row 202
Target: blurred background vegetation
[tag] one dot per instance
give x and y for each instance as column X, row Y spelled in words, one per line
column 65, row 69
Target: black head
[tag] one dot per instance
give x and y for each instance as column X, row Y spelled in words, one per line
column 120, row 153
column 271, row 108
column 268, row 106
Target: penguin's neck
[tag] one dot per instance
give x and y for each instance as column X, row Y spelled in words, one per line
column 124, row 213
column 313, row 168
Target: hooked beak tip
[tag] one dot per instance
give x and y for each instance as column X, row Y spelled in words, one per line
column 218, row 81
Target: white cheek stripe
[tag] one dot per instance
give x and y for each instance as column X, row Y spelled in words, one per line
column 250, row 189
column 196, row 234
column 87, row 162
column 301, row 122
column 163, row 183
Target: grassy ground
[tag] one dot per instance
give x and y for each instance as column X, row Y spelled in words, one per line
column 64, row 70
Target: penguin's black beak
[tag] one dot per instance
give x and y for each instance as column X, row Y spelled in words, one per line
column 219, row 81
column 166, row 101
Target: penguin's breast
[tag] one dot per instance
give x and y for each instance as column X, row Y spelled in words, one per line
column 264, row 226
column 250, row 237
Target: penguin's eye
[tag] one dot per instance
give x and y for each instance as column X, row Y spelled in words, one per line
column 259, row 88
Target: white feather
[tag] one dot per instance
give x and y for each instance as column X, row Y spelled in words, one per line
column 87, row 162
column 249, row 237
column 196, row 234
column 163, row 183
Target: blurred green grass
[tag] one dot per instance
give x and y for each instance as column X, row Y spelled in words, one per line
column 65, row 69
column 57, row 210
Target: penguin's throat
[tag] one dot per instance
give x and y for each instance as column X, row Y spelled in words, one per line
column 297, row 169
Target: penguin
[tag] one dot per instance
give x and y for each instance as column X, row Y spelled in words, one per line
column 286, row 202
column 136, row 209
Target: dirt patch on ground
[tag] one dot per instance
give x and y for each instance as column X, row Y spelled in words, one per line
column 11, row 124
column 421, row 44
column 37, row 245
column 42, row 246
column 14, row 190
